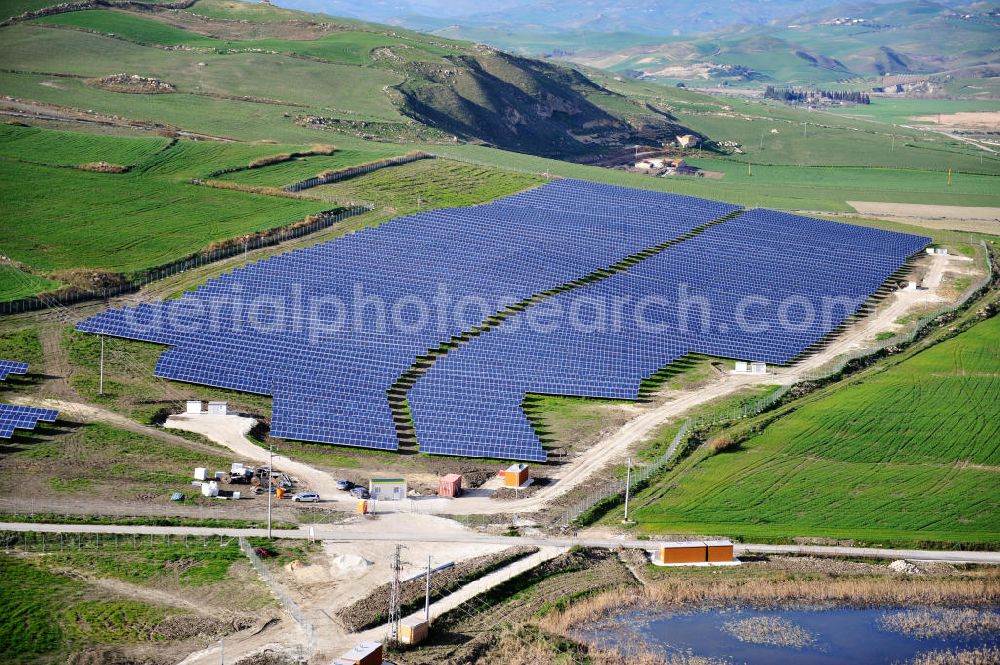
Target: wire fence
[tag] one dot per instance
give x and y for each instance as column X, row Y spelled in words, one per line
column 65, row 541
column 267, row 239
column 279, row 592
column 355, row 171
column 612, row 490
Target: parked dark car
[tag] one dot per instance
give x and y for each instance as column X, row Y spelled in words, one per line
column 360, row 492
column 344, row 485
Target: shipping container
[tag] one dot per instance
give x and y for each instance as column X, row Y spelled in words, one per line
column 450, row 485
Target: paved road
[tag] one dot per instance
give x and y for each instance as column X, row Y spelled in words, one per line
column 333, row 533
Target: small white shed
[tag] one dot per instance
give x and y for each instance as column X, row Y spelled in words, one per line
column 194, row 406
column 387, row 489
column 218, row 408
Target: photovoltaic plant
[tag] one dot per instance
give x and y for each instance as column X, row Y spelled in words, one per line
column 280, row 326
column 741, row 289
column 329, row 382
column 20, row 417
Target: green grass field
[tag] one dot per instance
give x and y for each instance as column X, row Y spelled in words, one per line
column 905, row 110
column 908, row 454
column 286, row 173
column 47, row 615
column 58, row 148
column 429, row 183
column 346, row 47
column 124, row 223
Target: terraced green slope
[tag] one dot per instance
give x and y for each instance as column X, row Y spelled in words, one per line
column 911, row 454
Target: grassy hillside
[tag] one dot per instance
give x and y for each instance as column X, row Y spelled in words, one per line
column 474, row 93
column 270, row 80
column 907, row 454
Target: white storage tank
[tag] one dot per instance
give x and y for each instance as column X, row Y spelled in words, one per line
column 210, row 489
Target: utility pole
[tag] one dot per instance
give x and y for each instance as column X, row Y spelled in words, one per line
column 892, row 148
column 762, row 140
column 100, row 388
column 628, row 485
column 395, row 593
column 805, row 130
column 270, row 486
column 427, row 592
column 949, row 177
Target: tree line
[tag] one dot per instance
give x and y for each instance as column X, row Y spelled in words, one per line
column 792, row 95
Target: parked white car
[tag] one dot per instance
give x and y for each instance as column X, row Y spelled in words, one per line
column 310, row 497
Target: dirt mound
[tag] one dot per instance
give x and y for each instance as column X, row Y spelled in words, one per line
column 102, row 167
column 349, row 563
column 266, row 657
column 132, row 83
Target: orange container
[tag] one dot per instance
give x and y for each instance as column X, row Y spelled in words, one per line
column 719, row 550
column 279, row 493
column 693, row 551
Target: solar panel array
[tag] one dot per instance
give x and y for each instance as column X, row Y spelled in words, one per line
column 20, row 417
column 329, row 385
column 721, row 288
column 8, row 367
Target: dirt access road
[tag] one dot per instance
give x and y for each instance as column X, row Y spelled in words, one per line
column 418, row 533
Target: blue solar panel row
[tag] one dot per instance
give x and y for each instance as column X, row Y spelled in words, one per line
column 20, row 417
column 8, row 367
column 329, row 373
column 721, row 293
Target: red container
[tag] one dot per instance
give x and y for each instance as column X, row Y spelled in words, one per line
column 450, row 485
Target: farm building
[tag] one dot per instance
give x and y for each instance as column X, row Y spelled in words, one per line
column 387, row 489
column 450, row 485
column 688, row 141
column 516, row 475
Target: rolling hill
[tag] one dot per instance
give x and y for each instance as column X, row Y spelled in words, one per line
column 125, row 113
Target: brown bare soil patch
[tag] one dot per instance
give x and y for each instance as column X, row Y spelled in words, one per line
column 956, row 218
column 968, row 119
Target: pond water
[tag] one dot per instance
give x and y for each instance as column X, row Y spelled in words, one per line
column 811, row 636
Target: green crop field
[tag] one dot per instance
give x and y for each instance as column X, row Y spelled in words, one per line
column 429, row 183
column 904, row 111
column 908, row 454
column 286, row 173
column 57, row 148
column 124, row 222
